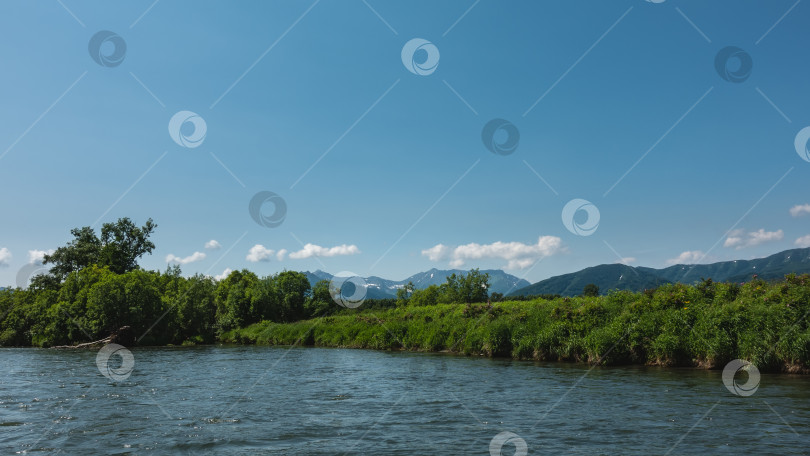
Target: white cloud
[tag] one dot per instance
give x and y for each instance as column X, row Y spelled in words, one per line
column 739, row 239
column 627, row 260
column 688, row 257
column 438, row 252
column 213, row 245
column 5, row 257
column 38, row 256
column 259, row 253
column 312, row 250
column 803, row 241
column 224, row 274
column 196, row 256
column 517, row 254
column 800, row 209
column 280, row 254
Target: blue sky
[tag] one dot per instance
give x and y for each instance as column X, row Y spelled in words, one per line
column 402, row 180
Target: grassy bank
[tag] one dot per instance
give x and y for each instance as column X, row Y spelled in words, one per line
column 676, row 325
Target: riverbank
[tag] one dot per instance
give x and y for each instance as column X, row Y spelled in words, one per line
column 676, row 325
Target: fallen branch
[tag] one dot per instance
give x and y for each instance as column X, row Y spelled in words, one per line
column 123, row 336
column 104, row 341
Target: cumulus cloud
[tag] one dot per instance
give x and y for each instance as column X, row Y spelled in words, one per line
column 259, row 253
column 803, row 241
column 280, row 254
column 312, row 250
column 224, row 274
column 213, row 245
column 196, row 256
column 5, row 257
column 438, row 252
column 688, row 257
column 739, row 239
column 627, row 260
column 517, row 254
column 38, row 256
column 800, row 209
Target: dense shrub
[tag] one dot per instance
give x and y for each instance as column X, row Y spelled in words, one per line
column 675, row 325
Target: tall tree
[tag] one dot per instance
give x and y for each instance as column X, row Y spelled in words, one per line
column 122, row 243
column 293, row 288
column 120, row 246
column 465, row 288
column 590, row 289
column 82, row 251
column 320, row 301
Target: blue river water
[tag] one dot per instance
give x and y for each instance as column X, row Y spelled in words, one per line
column 314, row 401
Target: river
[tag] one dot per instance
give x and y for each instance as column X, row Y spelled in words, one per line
column 282, row 401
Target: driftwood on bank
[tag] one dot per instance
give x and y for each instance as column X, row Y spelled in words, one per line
column 122, row 336
column 104, row 341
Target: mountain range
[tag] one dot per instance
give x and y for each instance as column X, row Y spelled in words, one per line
column 622, row 277
column 379, row 288
column 606, row 276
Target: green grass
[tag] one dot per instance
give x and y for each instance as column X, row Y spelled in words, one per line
column 676, row 325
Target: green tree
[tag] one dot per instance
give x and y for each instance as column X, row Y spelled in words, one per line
column 81, row 252
column 132, row 299
column 119, row 247
column 426, row 297
column 16, row 318
column 293, row 288
column 465, row 288
column 265, row 300
column 590, row 290
column 404, row 294
column 195, row 310
column 319, row 302
column 233, row 300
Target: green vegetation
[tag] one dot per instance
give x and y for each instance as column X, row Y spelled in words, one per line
column 118, row 248
column 675, row 325
column 96, row 287
column 459, row 288
column 164, row 308
column 590, row 290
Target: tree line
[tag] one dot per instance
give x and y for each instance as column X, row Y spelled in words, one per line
column 95, row 286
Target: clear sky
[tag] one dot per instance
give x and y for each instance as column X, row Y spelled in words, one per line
column 379, row 157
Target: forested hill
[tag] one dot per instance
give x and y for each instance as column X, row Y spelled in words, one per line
column 622, row 277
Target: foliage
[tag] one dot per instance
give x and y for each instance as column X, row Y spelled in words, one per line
column 96, row 288
column 118, row 248
column 160, row 308
column 590, row 290
column 458, row 288
column 675, row 325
